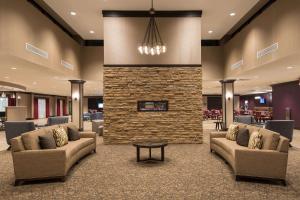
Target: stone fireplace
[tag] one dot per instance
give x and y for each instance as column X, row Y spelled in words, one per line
column 130, row 78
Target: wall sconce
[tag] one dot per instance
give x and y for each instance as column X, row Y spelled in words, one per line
column 228, row 96
column 76, row 96
column 19, row 97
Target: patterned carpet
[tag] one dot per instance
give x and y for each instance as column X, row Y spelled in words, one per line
column 189, row 172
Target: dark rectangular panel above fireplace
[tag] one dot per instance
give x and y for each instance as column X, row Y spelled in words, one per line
column 152, row 106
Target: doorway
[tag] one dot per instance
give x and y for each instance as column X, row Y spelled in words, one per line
column 41, row 108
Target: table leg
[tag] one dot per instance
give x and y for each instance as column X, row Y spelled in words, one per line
column 162, row 153
column 138, row 154
column 149, row 153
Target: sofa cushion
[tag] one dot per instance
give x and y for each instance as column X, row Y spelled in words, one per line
column 60, row 136
column 73, row 134
column 255, row 141
column 270, row 139
column 74, row 146
column 242, row 137
column 232, row 132
column 228, row 145
column 47, row 142
column 31, row 139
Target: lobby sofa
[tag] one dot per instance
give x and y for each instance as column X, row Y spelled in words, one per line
column 97, row 126
column 270, row 162
column 96, row 116
column 31, row 162
column 57, row 120
column 245, row 119
column 16, row 128
column 283, row 127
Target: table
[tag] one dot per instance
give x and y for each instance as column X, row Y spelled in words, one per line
column 150, row 144
column 219, row 125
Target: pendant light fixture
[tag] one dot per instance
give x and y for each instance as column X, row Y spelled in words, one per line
column 152, row 43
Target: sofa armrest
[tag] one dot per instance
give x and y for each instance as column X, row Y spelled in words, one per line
column 218, row 134
column 86, row 134
column 30, row 164
column 261, row 163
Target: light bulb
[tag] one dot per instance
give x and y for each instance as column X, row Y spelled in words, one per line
column 157, row 47
column 164, row 49
column 158, row 51
column 152, row 51
column 146, row 50
column 141, row 50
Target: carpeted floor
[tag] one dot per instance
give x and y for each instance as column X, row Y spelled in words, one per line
column 189, row 172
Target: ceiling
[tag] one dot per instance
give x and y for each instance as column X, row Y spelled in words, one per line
column 89, row 17
column 215, row 13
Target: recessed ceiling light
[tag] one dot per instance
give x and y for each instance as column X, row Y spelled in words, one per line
column 232, row 14
column 6, row 77
column 92, row 32
column 210, row 32
column 34, row 83
column 73, row 13
column 13, row 68
column 290, row 67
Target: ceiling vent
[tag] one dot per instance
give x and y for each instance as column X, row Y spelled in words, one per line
column 36, row 51
column 67, row 65
column 268, row 50
column 237, row 64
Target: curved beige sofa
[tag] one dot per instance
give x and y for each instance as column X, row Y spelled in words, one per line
column 270, row 162
column 31, row 162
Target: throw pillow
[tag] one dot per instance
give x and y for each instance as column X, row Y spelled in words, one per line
column 47, row 141
column 73, row 134
column 60, row 136
column 255, row 141
column 232, row 132
column 242, row 137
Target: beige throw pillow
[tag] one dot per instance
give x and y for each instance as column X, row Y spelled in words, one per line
column 232, row 132
column 255, row 141
column 60, row 136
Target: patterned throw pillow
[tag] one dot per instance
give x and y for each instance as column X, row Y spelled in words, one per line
column 232, row 132
column 60, row 136
column 255, row 141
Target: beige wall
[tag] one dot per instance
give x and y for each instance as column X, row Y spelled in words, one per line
column 25, row 24
column 92, row 59
column 279, row 23
column 123, row 35
column 212, row 63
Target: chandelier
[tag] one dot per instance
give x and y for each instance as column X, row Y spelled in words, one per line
column 152, row 43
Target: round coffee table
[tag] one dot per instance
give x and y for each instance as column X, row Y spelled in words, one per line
column 150, row 144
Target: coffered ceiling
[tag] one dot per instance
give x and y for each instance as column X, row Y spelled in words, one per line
column 216, row 13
